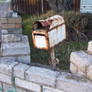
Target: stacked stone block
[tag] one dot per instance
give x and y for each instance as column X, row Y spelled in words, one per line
column 11, row 23
column 15, row 76
column 13, row 43
column 90, row 47
column 81, row 62
column 19, row 77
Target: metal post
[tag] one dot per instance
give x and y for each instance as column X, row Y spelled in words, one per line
column 52, row 53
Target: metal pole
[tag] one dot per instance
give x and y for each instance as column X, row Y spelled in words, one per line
column 52, row 53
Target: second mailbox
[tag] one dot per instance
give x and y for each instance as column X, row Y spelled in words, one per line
column 49, row 33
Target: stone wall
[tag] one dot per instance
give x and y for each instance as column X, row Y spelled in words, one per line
column 81, row 62
column 11, row 23
column 14, row 44
column 19, row 77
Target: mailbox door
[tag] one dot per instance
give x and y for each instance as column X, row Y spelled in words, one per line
column 57, row 35
column 40, row 40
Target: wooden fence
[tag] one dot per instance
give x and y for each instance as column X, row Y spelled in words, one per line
column 30, row 6
column 76, row 5
column 36, row 7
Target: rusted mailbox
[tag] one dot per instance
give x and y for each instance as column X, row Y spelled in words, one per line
column 49, row 33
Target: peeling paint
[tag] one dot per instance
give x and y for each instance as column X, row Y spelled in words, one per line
column 53, row 29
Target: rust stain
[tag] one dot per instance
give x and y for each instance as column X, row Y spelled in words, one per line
column 56, row 27
column 46, row 38
column 49, row 23
column 42, row 27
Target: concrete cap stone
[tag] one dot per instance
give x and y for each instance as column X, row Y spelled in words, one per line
column 41, row 75
column 90, row 47
column 6, row 65
column 19, row 70
column 81, row 59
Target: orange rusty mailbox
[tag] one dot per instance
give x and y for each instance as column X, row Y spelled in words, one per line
column 49, row 33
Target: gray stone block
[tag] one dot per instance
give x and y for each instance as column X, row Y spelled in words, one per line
column 89, row 72
column 11, row 31
column 41, row 75
column 4, row 20
column 6, row 65
column 21, row 59
column 90, row 47
column 5, row 78
column 27, row 85
column 81, row 59
column 73, row 83
column 73, row 68
column 19, row 70
column 24, row 59
column 11, row 38
column 15, row 31
column 81, row 73
column 17, row 48
column 4, row 32
column 10, row 88
column 7, row 58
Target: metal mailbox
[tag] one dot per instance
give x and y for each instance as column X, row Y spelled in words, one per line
column 49, row 33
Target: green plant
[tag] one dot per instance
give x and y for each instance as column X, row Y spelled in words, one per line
column 63, row 50
column 76, row 24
